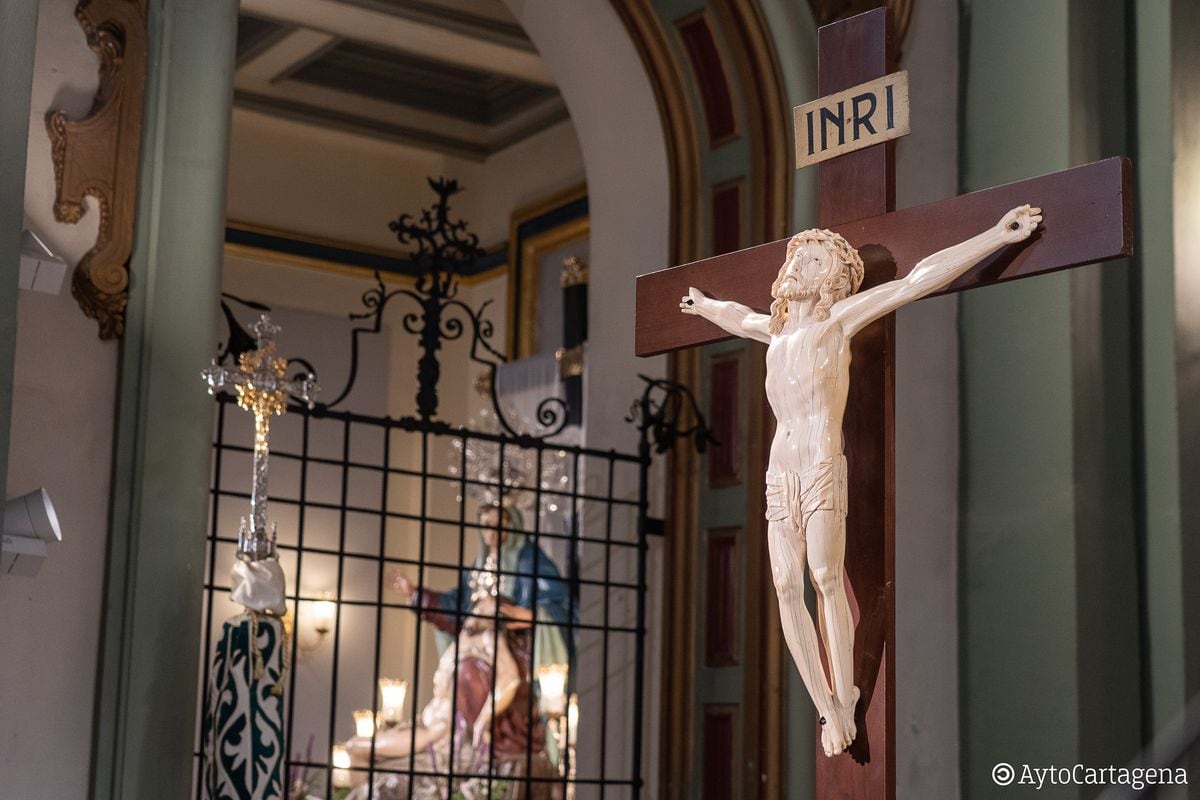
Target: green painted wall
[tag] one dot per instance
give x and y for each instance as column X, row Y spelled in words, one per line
column 18, row 35
column 1159, row 422
column 146, row 713
column 1185, row 124
column 1049, row 578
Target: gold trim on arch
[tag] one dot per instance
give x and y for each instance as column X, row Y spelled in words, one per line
column 769, row 123
column 771, row 174
column 723, row 56
column 683, row 159
column 683, row 150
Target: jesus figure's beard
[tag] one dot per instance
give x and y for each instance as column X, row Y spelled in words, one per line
column 792, row 290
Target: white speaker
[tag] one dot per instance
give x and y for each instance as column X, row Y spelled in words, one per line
column 29, row 522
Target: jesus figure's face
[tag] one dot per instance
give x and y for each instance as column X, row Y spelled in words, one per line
column 803, row 273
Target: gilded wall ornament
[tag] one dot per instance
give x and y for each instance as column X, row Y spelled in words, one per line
column 98, row 156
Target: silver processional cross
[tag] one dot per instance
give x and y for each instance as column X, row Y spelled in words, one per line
column 262, row 388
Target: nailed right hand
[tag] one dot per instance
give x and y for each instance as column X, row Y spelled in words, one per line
column 1018, row 224
column 689, row 301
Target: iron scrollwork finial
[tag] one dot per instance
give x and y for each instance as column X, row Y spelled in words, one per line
column 668, row 412
column 444, row 248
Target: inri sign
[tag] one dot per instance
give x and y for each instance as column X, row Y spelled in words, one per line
column 859, row 117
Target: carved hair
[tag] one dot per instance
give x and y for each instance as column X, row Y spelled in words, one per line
column 837, row 283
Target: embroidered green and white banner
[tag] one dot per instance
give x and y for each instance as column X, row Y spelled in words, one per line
column 244, row 753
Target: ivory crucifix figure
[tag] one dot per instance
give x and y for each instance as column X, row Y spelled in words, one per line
column 814, row 315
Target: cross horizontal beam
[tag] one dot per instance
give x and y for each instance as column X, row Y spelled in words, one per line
column 1088, row 218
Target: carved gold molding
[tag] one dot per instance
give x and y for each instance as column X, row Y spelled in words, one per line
column 98, row 156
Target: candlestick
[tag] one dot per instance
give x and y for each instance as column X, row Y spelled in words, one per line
column 573, row 717
column 340, row 759
column 364, row 722
column 392, row 693
column 552, row 681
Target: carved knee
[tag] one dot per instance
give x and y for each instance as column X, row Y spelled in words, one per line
column 827, row 580
column 788, row 584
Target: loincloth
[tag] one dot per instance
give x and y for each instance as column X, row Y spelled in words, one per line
column 796, row 496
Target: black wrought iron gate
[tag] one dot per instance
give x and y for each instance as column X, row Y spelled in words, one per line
column 363, row 500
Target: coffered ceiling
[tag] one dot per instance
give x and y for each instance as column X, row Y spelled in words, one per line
column 456, row 76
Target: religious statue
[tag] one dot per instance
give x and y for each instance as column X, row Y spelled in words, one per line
column 814, row 315
column 484, row 677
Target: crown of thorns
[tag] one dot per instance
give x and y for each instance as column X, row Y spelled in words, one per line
column 837, row 246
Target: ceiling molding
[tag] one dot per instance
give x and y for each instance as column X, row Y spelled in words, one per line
column 413, row 81
column 363, row 126
column 473, row 149
column 535, row 122
column 486, row 29
column 386, row 29
column 255, row 35
column 357, row 105
column 350, row 65
column 264, row 243
column 285, row 54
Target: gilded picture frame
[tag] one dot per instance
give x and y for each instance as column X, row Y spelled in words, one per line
column 535, row 230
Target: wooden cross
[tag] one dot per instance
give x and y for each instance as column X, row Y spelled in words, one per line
column 1087, row 219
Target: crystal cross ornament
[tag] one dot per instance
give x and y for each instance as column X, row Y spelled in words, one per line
column 262, row 388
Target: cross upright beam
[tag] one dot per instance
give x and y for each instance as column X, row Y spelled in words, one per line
column 856, row 186
column 1088, row 218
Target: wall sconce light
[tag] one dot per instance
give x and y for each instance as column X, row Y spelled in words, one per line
column 364, row 723
column 324, row 615
column 552, row 683
column 317, row 618
column 392, row 693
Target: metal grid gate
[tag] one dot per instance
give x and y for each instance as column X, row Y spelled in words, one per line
column 229, row 498
column 360, row 496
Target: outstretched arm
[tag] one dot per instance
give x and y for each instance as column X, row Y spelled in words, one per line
column 727, row 315
column 935, row 272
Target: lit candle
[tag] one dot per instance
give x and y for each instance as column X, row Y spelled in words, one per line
column 573, row 718
column 341, row 766
column 364, row 723
column 392, row 693
column 552, row 680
